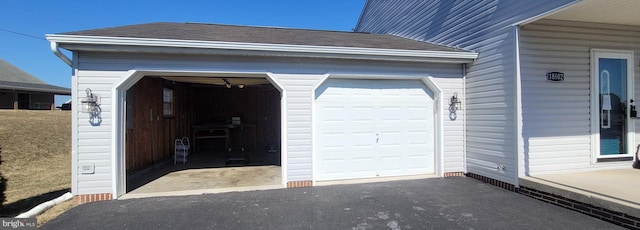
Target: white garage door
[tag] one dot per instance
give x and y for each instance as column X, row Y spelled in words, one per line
column 371, row 128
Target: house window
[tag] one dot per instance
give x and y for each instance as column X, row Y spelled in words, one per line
column 167, row 102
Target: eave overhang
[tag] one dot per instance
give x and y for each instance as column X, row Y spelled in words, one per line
column 128, row 44
column 617, row 12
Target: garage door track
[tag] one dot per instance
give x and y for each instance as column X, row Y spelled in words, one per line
column 450, row 203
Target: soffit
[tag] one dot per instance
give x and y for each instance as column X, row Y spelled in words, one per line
column 622, row 12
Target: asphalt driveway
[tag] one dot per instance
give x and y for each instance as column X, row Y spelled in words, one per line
column 450, row 203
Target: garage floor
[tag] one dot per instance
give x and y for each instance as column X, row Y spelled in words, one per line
column 209, row 172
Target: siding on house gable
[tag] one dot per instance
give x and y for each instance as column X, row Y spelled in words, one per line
column 458, row 23
column 101, row 71
column 556, row 116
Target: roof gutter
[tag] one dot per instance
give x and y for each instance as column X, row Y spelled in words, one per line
column 69, row 41
column 56, row 50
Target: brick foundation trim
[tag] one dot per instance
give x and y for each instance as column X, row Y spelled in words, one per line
column 81, row 199
column 493, row 182
column 452, row 174
column 299, row 184
column 614, row 217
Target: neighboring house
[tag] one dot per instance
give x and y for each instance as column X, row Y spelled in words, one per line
column 21, row 90
column 553, row 87
column 340, row 105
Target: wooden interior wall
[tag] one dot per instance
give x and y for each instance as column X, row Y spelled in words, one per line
column 258, row 106
column 151, row 136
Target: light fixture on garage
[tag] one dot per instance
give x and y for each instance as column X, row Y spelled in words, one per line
column 241, row 86
column 454, row 103
column 90, row 102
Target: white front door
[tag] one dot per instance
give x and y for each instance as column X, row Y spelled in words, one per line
column 371, row 128
column 613, row 94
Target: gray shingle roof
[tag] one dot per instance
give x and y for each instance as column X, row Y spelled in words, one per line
column 263, row 35
column 35, row 87
column 12, row 77
column 9, row 72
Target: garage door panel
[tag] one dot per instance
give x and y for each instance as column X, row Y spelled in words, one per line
column 347, row 154
column 346, row 138
column 419, row 164
column 385, row 128
column 418, row 113
column 347, row 116
column 348, row 164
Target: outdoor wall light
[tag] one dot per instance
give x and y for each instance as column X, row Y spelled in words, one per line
column 90, row 104
column 454, row 103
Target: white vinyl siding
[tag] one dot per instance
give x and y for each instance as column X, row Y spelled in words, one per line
column 446, row 22
column 556, row 116
column 490, row 109
column 453, row 128
column 102, row 71
column 93, row 143
column 299, row 97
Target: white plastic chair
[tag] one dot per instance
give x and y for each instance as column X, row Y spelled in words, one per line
column 180, row 152
column 187, row 144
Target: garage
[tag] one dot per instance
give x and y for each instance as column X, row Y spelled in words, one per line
column 317, row 105
column 373, row 128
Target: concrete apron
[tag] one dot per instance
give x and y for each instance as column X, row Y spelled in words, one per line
column 616, row 190
column 211, row 180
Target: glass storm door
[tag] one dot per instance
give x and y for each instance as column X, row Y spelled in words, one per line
column 614, row 79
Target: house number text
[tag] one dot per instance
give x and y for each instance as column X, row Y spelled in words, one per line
column 555, row 76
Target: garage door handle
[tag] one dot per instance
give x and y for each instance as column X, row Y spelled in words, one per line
column 377, row 138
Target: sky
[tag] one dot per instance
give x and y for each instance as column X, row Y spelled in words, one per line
column 24, row 23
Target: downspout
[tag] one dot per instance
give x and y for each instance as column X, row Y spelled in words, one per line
column 56, row 50
column 519, row 139
column 464, row 117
